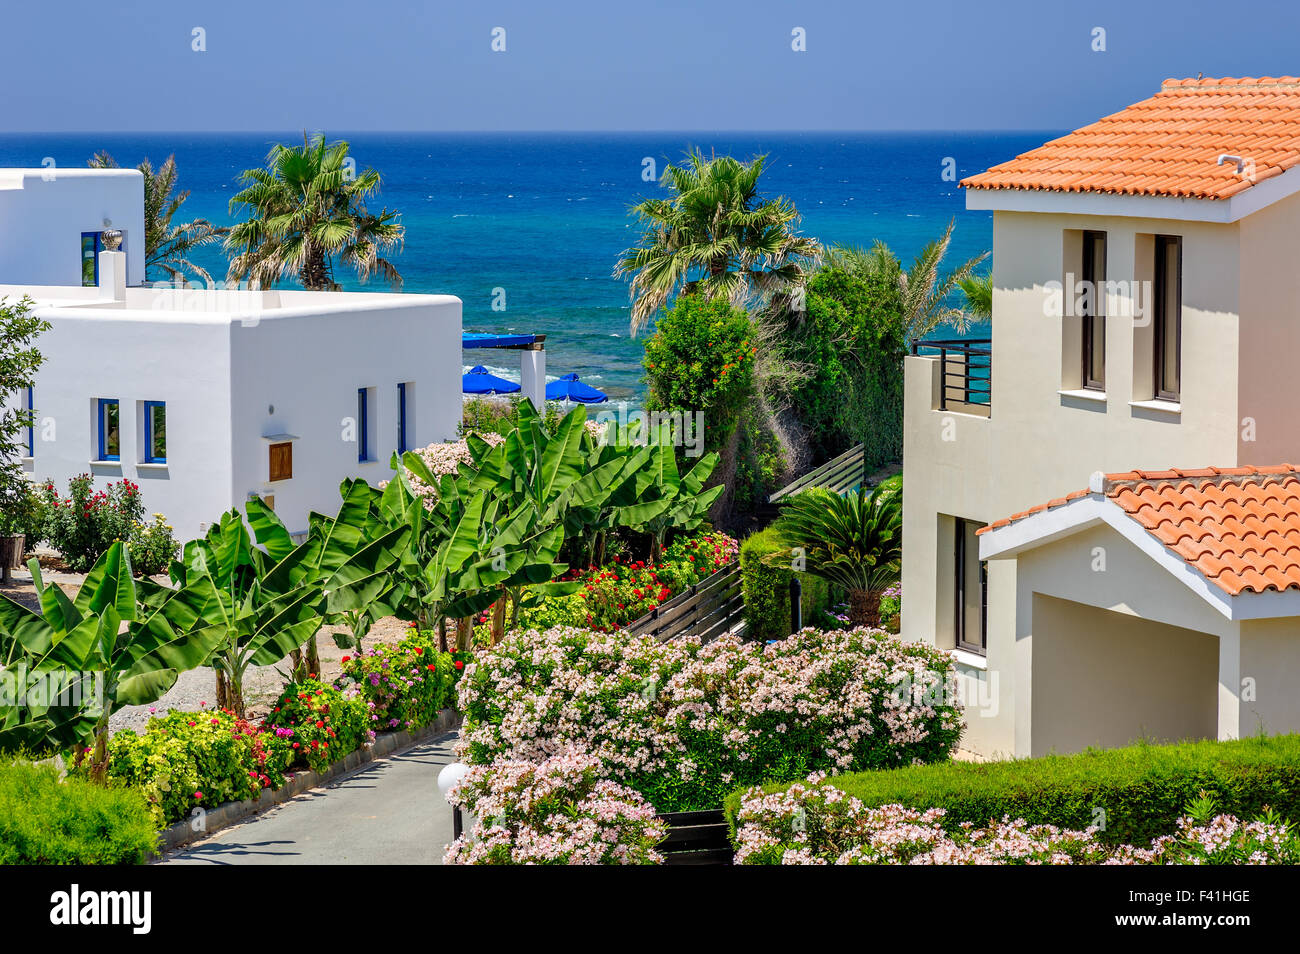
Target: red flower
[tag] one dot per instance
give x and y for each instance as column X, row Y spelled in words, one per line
column 345, row 659
column 320, row 725
column 419, row 650
column 459, row 664
column 431, row 667
column 198, row 794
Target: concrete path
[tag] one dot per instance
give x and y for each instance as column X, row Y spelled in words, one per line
column 389, row 812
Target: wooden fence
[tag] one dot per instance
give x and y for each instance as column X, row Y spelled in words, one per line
column 838, row 475
column 711, row 608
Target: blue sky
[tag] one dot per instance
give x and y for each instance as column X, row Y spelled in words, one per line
column 615, row 65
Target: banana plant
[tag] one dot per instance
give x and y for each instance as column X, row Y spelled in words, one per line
column 265, row 606
column 91, row 655
column 667, row 499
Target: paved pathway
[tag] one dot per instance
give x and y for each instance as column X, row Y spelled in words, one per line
column 389, row 812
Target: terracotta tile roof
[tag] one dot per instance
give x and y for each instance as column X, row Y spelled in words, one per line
column 1169, row 145
column 1240, row 526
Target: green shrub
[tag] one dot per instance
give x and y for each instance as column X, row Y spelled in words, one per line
column 197, row 759
column 85, row 523
column 320, row 724
column 152, row 546
column 766, row 585
column 1141, row 789
column 45, row 821
column 25, row 515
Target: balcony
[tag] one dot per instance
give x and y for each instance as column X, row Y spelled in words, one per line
column 965, row 380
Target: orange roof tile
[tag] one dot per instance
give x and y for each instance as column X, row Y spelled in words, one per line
column 1169, row 145
column 1240, row 526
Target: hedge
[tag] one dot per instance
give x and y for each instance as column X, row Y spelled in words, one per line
column 766, row 588
column 45, row 821
column 1143, row 789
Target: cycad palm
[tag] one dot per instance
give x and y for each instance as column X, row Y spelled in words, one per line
column 167, row 247
column 307, row 208
column 924, row 289
column 715, row 235
column 854, row 541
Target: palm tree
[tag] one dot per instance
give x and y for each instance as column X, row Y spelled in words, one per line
column 925, row 290
column 307, row 207
column 977, row 290
column 854, row 542
column 715, row 235
column 167, row 247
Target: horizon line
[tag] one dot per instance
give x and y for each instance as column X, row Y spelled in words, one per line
column 511, row 132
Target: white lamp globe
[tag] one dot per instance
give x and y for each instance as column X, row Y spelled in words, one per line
column 450, row 775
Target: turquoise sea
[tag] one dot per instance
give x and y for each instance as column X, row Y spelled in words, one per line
column 544, row 216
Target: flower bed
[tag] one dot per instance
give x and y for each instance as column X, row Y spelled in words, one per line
column 622, row 592
column 683, row 724
column 403, row 686
column 560, row 811
column 818, row 824
column 319, row 723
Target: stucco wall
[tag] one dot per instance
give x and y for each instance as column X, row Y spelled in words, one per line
column 1270, row 664
column 44, row 212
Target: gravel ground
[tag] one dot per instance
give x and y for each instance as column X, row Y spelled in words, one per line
column 261, row 683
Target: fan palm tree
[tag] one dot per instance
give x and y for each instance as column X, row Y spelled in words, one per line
column 925, row 289
column 715, row 235
column 167, row 247
column 854, row 542
column 306, row 209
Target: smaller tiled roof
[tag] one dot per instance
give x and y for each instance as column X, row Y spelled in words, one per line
column 1240, row 526
column 1170, row 144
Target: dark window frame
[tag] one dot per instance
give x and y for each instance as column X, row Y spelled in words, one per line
column 1097, row 313
column 401, row 418
column 1159, row 316
column 149, row 426
column 959, row 593
column 363, row 425
column 31, row 422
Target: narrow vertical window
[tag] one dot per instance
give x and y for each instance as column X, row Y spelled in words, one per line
column 155, row 432
column 1168, row 318
column 401, row 418
column 89, row 258
column 1094, row 317
column 31, row 423
column 363, row 424
column 970, row 588
column 110, row 433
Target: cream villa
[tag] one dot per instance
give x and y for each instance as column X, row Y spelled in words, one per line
column 206, row 397
column 1097, row 521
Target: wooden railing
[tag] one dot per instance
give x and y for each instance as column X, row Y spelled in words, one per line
column 965, row 372
column 711, row 608
column 838, row 475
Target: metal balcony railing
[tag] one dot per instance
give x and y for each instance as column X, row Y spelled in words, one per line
column 965, row 372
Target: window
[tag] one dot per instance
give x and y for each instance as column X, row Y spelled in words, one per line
column 282, row 461
column 1094, row 316
column 1167, row 320
column 90, row 246
column 155, row 432
column 110, row 433
column 363, row 424
column 31, row 424
column 971, row 588
column 401, row 418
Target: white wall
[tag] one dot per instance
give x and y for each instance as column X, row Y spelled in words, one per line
column 44, row 211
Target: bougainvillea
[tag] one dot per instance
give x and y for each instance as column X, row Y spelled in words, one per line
column 685, row 724
column 560, row 811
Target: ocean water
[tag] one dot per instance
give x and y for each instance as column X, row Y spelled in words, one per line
column 543, row 217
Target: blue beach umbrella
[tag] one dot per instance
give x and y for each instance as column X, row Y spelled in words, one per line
column 481, row 381
column 569, row 388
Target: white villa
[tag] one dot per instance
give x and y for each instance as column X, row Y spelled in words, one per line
column 207, row 397
column 1098, row 519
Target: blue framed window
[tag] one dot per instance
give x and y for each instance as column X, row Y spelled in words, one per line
column 90, row 249
column 155, row 432
column 31, row 424
column 363, row 424
column 110, row 429
column 401, row 417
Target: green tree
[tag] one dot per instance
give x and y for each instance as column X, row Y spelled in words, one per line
column 715, row 234
column 306, row 209
column 19, row 362
column 977, row 291
column 167, row 247
column 925, row 289
column 854, row 541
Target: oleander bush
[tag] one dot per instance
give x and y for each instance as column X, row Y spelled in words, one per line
column 1139, row 791
column 185, row 760
column 48, row 821
column 561, row 811
column 320, row 724
column 403, row 685
column 683, row 724
column 817, row 823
